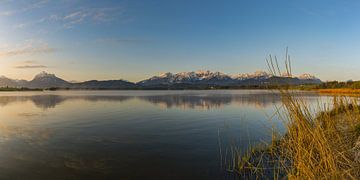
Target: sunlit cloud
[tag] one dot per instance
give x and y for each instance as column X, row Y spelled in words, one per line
column 30, row 66
column 30, row 62
column 30, row 47
column 35, row 50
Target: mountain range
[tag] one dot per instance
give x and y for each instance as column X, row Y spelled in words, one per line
column 183, row 80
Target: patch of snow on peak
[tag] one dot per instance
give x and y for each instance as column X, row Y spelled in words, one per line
column 255, row 75
column 286, row 74
column 44, row 74
column 167, row 74
column 261, row 74
column 307, row 76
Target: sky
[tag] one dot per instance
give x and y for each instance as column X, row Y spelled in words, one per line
column 136, row 39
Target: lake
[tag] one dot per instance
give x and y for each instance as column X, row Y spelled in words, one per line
column 131, row 134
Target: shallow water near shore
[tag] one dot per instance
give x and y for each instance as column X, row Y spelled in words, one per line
column 131, row 134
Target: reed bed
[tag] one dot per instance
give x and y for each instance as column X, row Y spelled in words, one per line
column 323, row 145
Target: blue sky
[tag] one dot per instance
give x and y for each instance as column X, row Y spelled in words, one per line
column 82, row 40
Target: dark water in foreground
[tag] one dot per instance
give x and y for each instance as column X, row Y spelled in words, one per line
column 128, row 134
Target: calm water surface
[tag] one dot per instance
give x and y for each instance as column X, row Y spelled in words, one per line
column 129, row 134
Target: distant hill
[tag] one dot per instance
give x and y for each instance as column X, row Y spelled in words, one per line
column 4, row 81
column 183, row 80
column 110, row 84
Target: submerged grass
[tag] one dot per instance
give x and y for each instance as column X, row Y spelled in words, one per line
column 325, row 145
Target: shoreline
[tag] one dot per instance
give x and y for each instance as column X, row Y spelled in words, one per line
column 147, row 89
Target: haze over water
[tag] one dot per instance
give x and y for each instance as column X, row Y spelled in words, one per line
column 129, row 134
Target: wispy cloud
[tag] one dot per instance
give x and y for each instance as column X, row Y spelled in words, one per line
column 132, row 41
column 30, row 66
column 77, row 17
column 94, row 15
column 29, row 5
column 7, row 13
column 35, row 5
column 20, row 26
column 30, row 47
column 34, row 50
column 30, row 62
column 123, row 41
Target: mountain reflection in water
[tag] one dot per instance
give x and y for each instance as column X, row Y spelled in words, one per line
column 192, row 101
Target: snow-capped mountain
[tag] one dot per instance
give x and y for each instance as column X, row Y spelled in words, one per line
column 182, row 80
column 218, row 78
column 308, row 78
column 198, row 77
column 46, row 80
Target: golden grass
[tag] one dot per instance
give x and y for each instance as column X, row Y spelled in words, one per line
column 321, row 146
column 341, row 91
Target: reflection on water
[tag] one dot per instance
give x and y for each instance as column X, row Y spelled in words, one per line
column 51, row 101
column 29, row 135
column 127, row 134
column 192, row 101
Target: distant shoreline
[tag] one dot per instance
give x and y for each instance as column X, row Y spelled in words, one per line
column 5, row 89
column 9, row 89
column 335, row 91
